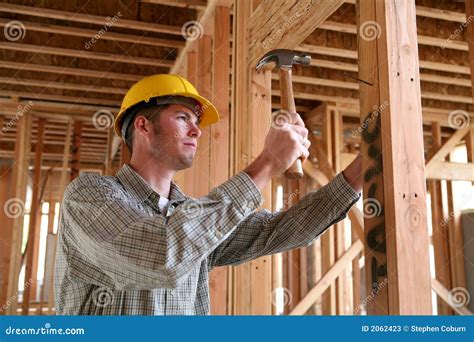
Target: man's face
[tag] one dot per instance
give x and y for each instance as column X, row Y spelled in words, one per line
column 176, row 134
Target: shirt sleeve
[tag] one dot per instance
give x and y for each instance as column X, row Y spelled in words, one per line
column 130, row 249
column 264, row 233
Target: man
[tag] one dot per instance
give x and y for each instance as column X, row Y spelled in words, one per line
column 134, row 244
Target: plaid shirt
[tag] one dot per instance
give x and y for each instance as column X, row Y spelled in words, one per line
column 119, row 255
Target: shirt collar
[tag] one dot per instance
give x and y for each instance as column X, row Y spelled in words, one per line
column 139, row 188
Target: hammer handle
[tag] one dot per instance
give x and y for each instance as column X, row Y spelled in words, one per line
column 295, row 171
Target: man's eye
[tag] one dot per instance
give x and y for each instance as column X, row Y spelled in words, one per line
column 182, row 117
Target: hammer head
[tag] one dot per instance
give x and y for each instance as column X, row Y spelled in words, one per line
column 284, row 58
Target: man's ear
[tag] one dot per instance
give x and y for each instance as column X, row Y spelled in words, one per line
column 141, row 125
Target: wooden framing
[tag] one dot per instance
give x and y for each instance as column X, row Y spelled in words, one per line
column 33, row 230
column 67, row 84
column 396, row 83
column 219, row 133
column 20, row 179
column 470, row 37
column 440, row 236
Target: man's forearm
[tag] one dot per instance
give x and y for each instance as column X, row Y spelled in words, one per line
column 261, row 171
column 353, row 174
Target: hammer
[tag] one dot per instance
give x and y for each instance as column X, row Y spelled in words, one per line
column 284, row 60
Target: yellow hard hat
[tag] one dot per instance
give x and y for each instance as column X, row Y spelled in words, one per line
column 164, row 85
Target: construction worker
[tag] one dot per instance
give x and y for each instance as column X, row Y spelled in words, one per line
column 135, row 244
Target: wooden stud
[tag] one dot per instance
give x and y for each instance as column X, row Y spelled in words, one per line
column 20, row 177
column 6, row 190
column 440, row 232
column 328, row 256
column 219, row 133
column 400, row 235
column 241, row 138
column 76, row 150
column 89, row 19
column 456, row 240
column 470, row 37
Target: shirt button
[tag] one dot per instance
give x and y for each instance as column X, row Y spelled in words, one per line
column 218, row 233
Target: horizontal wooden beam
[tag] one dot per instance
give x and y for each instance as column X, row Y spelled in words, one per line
column 62, row 85
column 63, row 98
column 62, row 107
column 86, row 54
column 450, row 171
column 355, row 86
column 423, row 40
column 352, row 54
column 89, row 18
column 70, row 71
column 435, row 13
column 88, row 33
column 193, row 4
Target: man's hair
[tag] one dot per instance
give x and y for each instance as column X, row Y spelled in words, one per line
column 150, row 113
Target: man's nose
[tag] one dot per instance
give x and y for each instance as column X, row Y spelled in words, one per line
column 194, row 130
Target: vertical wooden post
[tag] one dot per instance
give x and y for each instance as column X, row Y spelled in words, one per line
column 456, row 243
column 260, row 111
column 470, row 37
column 35, row 213
column 470, row 144
column 241, row 138
column 440, row 230
column 65, row 161
column 291, row 191
column 328, row 237
column 191, row 75
column 6, row 190
column 219, row 132
column 201, row 167
column 76, row 150
column 400, row 234
column 124, row 154
column 342, row 297
column 20, row 181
